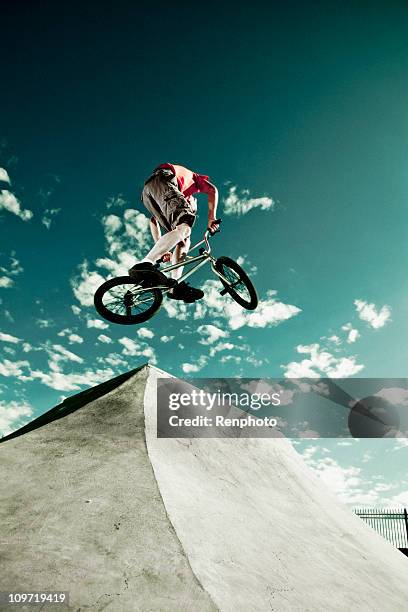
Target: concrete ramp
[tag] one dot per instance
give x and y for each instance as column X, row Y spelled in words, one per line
column 94, row 504
column 81, row 512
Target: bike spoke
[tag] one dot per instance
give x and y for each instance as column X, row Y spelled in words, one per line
column 235, row 282
column 115, row 301
column 118, row 304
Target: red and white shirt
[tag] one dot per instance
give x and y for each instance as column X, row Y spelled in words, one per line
column 189, row 182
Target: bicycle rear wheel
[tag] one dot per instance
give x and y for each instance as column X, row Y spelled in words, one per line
column 237, row 283
column 124, row 300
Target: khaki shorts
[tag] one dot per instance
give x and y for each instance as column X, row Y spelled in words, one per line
column 163, row 199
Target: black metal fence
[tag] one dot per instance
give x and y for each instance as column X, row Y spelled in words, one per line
column 391, row 524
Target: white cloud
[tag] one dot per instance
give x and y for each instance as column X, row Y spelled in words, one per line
column 44, row 323
column 59, row 353
column 12, row 269
column 344, row 367
column 137, row 227
column 131, row 347
column 118, row 267
column 178, row 309
column 117, row 200
column 335, row 339
column 396, row 395
column 9, row 350
column 6, row 282
column 137, row 349
column 9, row 338
column 235, row 358
column 128, row 239
column 49, row 213
column 144, row 332
column 345, row 482
column 189, row 368
column 353, row 334
column 8, row 316
column 97, row 323
column 124, row 236
column 398, row 501
column 370, row 313
column 75, row 339
column 13, row 415
column 64, row 332
column 4, row 176
column 222, row 346
column 302, row 369
column 13, row 368
column 400, row 443
column 166, row 338
column 238, row 205
column 112, row 224
column 255, row 361
column 113, row 359
column 105, row 339
column 72, row 338
column 242, row 261
column 211, row 333
column 71, row 382
column 9, row 202
column 321, row 362
column 85, row 285
column 270, row 312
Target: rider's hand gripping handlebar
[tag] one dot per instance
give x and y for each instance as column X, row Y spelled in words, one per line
column 212, row 231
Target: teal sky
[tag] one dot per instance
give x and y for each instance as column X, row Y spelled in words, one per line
column 297, row 112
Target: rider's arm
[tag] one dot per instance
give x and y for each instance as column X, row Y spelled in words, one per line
column 212, row 193
column 155, row 229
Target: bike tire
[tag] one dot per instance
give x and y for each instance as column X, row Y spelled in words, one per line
column 224, row 265
column 156, row 298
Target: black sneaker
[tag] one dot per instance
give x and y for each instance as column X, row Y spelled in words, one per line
column 184, row 292
column 152, row 274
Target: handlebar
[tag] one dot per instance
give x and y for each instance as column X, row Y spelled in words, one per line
column 209, row 232
column 213, row 232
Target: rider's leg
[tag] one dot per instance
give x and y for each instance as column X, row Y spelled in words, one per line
column 167, row 242
column 179, row 252
column 182, row 291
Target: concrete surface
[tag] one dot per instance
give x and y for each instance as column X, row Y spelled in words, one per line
column 81, row 512
column 193, row 524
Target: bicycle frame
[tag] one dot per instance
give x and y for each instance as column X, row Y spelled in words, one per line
column 129, row 293
column 200, row 260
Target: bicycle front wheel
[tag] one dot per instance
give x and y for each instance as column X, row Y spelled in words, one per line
column 123, row 300
column 237, row 283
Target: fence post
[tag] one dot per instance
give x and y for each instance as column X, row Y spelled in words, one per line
column 406, row 522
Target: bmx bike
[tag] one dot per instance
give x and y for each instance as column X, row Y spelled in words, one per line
column 129, row 300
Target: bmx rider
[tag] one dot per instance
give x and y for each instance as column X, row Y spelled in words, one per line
column 168, row 195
